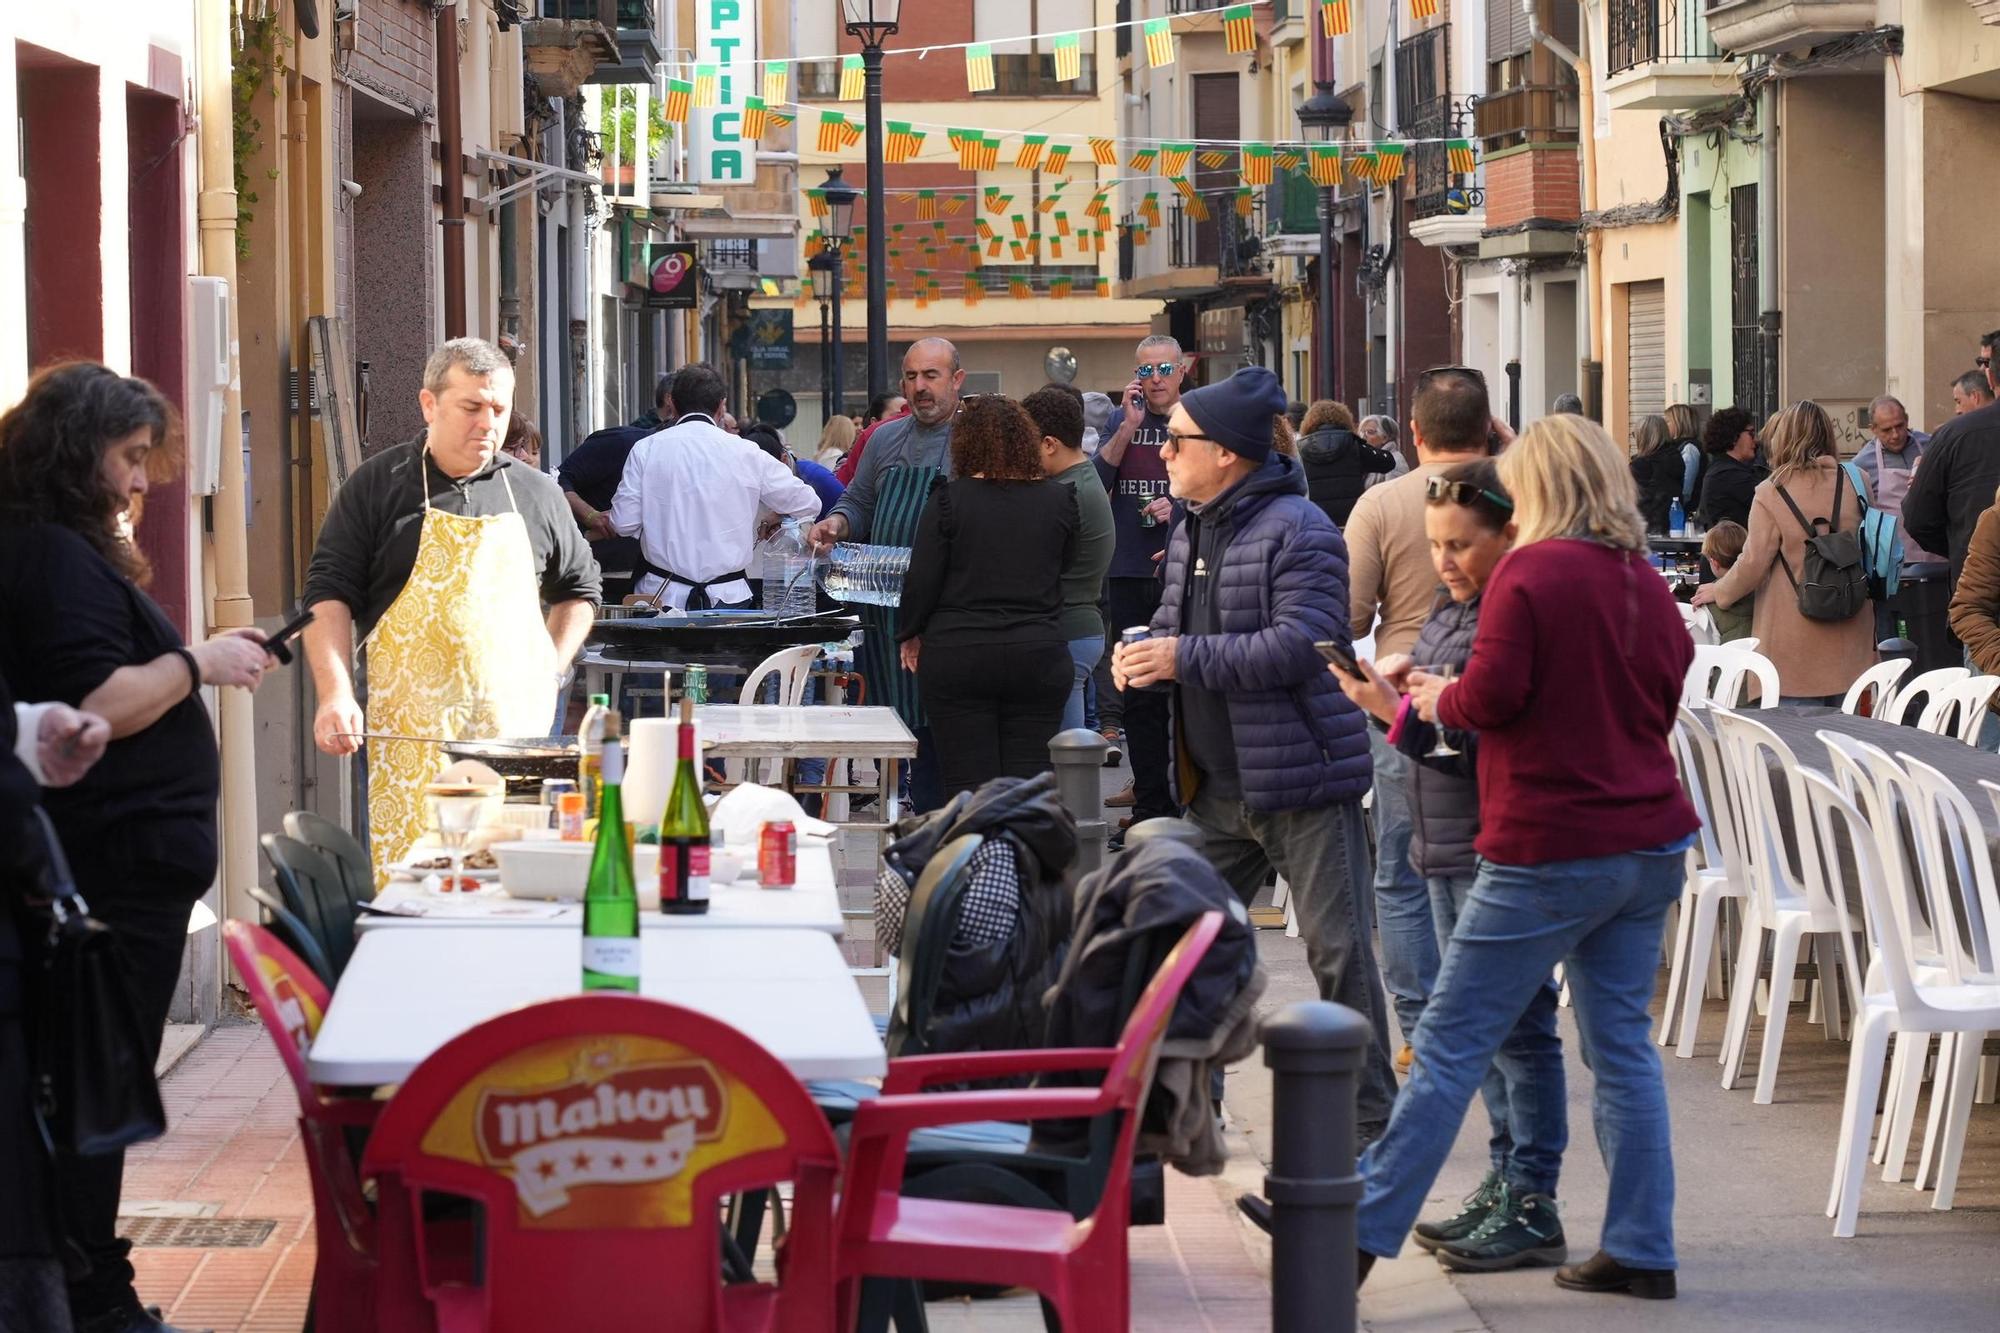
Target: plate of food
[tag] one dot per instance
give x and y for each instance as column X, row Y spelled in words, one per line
column 480, row 867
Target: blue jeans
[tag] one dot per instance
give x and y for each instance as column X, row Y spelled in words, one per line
column 1083, row 652
column 1402, row 903
column 1526, row 1090
column 1602, row 918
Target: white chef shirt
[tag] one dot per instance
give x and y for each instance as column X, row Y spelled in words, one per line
column 691, row 495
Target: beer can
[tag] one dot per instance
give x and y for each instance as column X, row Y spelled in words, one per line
column 694, row 683
column 1134, row 634
column 569, row 815
column 778, row 855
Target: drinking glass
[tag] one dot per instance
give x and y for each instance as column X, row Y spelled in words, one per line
column 457, row 810
column 1443, row 749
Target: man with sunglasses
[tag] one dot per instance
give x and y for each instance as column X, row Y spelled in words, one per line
column 1134, row 472
column 1392, row 588
column 1958, row 476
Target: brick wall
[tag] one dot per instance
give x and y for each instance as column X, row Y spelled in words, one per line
column 939, row 78
column 1536, row 183
column 395, row 52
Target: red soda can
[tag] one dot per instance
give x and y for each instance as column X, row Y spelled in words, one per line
column 778, row 855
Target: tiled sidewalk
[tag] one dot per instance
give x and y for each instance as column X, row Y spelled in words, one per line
column 232, row 1151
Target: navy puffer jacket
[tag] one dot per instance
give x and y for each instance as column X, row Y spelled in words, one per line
column 1282, row 588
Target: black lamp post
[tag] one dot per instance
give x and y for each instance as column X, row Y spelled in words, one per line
column 825, row 268
column 1324, row 117
column 839, row 230
column 871, row 21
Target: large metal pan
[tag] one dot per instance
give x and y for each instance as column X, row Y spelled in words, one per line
column 534, row 757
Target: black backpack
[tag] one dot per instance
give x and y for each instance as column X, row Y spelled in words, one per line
column 1835, row 586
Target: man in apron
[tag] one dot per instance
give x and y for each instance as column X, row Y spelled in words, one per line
column 441, row 554
column 881, row 507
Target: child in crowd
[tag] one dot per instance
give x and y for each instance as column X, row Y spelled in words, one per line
column 1723, row 546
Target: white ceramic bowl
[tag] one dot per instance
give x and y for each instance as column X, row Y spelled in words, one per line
column 560, row 871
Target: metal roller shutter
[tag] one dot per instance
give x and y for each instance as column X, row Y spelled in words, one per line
column 1646, row 351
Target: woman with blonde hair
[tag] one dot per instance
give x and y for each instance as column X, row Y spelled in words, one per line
column 1572, row 686
column 834, row 441
column 1816, row 659
column 1684, row 433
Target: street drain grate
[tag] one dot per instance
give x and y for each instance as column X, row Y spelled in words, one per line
column 197, row 1233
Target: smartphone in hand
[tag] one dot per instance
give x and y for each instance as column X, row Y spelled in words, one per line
column 279, row 644
column 1342, row 656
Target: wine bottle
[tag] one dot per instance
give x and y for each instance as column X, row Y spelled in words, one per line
column 684, row 848
column 611, row 897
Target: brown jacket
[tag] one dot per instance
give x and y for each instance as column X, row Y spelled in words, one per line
column 1975, row 605
column 1814, row 657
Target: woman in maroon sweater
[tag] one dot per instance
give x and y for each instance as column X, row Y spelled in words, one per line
column 1572, row 686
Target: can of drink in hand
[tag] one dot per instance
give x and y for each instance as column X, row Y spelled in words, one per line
column 778, row 855
column 1136, row 634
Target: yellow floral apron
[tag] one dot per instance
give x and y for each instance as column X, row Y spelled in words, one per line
column 464, row 651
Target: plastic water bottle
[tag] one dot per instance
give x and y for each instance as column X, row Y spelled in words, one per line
column 1677, row 523
column 788, row 572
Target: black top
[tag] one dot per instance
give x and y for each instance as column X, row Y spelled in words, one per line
column 1203, row 715
column 67, row 621
column 987, row 563
column 1338, row 464
column 369, row 542
column 1726, row 490
column 594, row 468
column 1955, row 485
column 1659, row 475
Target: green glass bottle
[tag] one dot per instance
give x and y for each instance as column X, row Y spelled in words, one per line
column 684, row 846
column 611, row 896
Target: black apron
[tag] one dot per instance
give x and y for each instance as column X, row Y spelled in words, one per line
column 900, row 495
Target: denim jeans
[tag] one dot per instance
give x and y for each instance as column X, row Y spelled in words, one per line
column 1526, row 1090
column 1084, row 653
column 1323, row 854
column 1402, row 903
column 1602, row 918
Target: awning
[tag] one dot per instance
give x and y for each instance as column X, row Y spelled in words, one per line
column 726, row 226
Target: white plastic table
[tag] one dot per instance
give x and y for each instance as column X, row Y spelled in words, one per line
column 406, row 993
column 772, row 731
column 811, row 904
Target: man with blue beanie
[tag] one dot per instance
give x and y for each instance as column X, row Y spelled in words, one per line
column 1269, row 757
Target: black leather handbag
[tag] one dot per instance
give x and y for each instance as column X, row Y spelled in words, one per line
column 95, row 1088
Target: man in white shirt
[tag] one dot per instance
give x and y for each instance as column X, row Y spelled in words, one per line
column 691, row 495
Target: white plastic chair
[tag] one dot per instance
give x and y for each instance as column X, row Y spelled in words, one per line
column 1715, row 872
column 1785, row 904
column 1925, row 687
column 793, row 668
column 1959, row 709
column 1716, row 677
column 1880, row 680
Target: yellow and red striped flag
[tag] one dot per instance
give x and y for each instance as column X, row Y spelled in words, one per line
column 1104, row 152
column 1019, row 252
column 954, row 205
column 989, row 153
column 680, row 96
column 1069, row 58
column 1049, row 202
column 967, row 143
column 1021, row 288
column 993, row 248
column 996, row 202
column 1459, row 155
column 1289, row 158
column 756, row 120
column 832, row 131
column 979, row 67
column 1174, row 158
column 1244, row 203
column 853, row 78
column 707, row 86
column 1059, row 286
column 1185, row 186
column 927, row 208
column 1062, row 222
column 777, row 83
column 902, row 142
column 816, row 203
column 1099, row 205
column 1388, row 162
column 1139, row 233
column 1020, row 227
column 850, row 132
column 1214, row 159
column 1239, row 30
column 1197, row 208
column 1149, row 208
column 781, row 120
column 1325, row 170
column 1256, row 164
column 1143, row 160
column 1361, row 166
column 974, row 290
column 1423, row 9
column 1057, row 159
column 1336, row 17
column 1159, row 43
column 1030, row 155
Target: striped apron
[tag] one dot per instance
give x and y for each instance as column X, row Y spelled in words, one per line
column 900, row 495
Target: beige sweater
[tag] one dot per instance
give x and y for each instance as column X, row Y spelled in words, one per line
column 1391, row 583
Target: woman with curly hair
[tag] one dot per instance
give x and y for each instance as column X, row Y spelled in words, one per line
column 75, row 627
column 979, row 620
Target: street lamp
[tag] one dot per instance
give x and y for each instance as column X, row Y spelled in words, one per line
column 1325, row 117
column 825, row 268
column 840, row 198
column 871, row 21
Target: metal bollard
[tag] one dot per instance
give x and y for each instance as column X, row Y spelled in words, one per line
column 1078, row 758
column 1314, row 1050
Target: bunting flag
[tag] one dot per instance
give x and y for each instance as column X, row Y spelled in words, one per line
column 1288, row 158
column 1244, row 202
column 989, row 153
column 1049, row 202
column 1362, row 167
column 832, row 131
column 1174, row 158
column 996, row 202
column 1019, row 252
column 1197, row 208
column 1059, row 286
column 1185, row 186
column 1458, row 154
column 1139, row 233
column 1020, row 227
column 927, row 206
column 1336, row 17
column 1099, row 206
column 680, row 95
column 1159, row 43
column 1388, row 162
column 1149, row 208
column 1062, row 223
column 1239, row 30
column 974, row 291
column 707, row 86
column 1021, row 288
column 777, row 83
column 1143, row 160
column 780, row 120
column 756, row 120
column 816, row 203
column 769, row 286
column 1256, row 164
column 1103, row 286
column 1069, row 58
column 1030, row 155
column 979, row 67
column 1057, row 159
column 1423, row 9
column 984, row 228
column 903, row 142
column 1214, row 159
column 967, row 142
column 853, row 78
column 851, row 132
column 1104, row 152
column 1325, row 171
column 954, row 205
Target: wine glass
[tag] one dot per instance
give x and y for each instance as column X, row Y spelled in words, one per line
column 456, row 810
column 1443, row 749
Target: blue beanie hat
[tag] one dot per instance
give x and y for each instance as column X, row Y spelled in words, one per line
column 1237, row 413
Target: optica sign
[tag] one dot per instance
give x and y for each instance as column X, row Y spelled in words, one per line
column 725, row 35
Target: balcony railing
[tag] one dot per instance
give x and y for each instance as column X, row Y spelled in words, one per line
column 606, row 12
column 1435, row 188
column 1195, row 6
column 1032, row 74
column 1640, row 32
column 1532, row 113
column 1242, row 241
column 1291, row 204
column 730, row 255
column 1193, row 244
column 1423, row 72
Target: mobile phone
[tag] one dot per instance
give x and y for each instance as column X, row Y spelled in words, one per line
column 1340, row 655
column 278, row 644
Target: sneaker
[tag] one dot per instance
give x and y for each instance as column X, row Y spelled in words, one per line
column 1601, row 1273
column 1116, row 740
column 1522, row 1231
column 1430, row 1235
column 1404, row 1059
column 1122, row 799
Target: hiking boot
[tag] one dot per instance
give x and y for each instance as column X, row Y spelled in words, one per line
column 1522, row 1231
column 1429, row 1235
column 1116, row 740
column 1600, row 1272
column 1122, row 799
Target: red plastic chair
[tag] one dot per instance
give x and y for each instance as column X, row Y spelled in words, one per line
column 1080, row 1268
column 601, row 1134
column 291, row 1001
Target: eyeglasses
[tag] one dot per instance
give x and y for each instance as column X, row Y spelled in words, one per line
column 1162, row 369
column 1440, row 489
column 1982, row 361
column 1178, row 439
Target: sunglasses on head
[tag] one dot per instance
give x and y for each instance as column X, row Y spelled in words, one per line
column 1440, row 489
column 1474, row 373
column 1162, row 369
